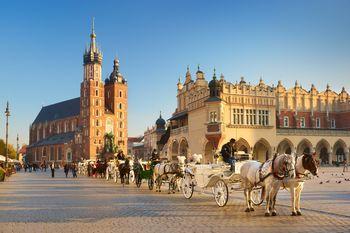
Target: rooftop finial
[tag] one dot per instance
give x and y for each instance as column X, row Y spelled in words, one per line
column 93, row 25
column 198, row 67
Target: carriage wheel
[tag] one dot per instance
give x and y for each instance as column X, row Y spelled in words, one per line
column 220, row 192
column 187, row 187
column 132, row 176
column 256, row 196
column 150, row 183
column 107, row 175
column 138, row 181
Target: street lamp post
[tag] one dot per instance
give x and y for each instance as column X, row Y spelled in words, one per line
column 7, row 113
column 17, row 149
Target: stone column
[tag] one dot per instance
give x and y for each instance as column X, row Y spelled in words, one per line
column 347, row 157
column 330, row 156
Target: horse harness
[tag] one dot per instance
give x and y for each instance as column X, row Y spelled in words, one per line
column 274, row 173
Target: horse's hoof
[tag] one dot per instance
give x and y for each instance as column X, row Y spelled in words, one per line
column 274, row 213
column 267, row 214
column 252, row 209
column 299, row 213
column 247, row 210
column 294, row 213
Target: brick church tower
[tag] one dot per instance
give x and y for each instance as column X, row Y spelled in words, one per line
column 103, row 106
column 92, row 106
column 116, row 96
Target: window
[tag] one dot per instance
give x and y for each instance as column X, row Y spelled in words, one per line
column 96, row 92
column 97, row 133
column 96, row 83
column 250, row 116
column 97, row 123
column 237, row 116
column 213, row 117
column 96, row 112
column 302, row 122
column 318, row 122
column 120, row 124
column 96, row 102
column 263, row 117
column 120, row 106
column 333, row 124
column 52, row 155
column 121, row 115
column 285, row 121
column 59, row 154
column 120, row 94
column 120, row 134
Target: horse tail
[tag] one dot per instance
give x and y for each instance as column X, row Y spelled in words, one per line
column 263, row 193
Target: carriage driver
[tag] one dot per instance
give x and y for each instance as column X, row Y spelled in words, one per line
column 227, row 152
column 155, row 156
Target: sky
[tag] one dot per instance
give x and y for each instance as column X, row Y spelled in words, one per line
column 42, row 45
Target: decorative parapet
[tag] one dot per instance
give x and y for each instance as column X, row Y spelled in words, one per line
column 183, row 129
column 250, row 126
column 313, row 132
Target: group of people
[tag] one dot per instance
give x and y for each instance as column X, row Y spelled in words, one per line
column 73, row 167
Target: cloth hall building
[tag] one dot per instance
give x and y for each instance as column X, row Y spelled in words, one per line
column 74, row 129
column 263, row 119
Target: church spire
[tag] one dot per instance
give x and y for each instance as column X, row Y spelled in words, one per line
column 93, row 37
column 92, row 54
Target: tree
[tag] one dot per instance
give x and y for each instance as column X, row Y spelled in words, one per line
column 109, row 146
column 10, row 149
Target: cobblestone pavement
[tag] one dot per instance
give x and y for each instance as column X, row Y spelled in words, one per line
column 34, row 202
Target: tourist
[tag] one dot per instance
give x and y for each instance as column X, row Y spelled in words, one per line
column 345, row 162
column 227, row 152
column 66, row 169
column 52, row 169
column 74, row 170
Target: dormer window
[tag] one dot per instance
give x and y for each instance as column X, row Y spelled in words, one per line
column 285, row 121
column 318, row 122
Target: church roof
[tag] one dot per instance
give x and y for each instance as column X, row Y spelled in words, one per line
column 59, row 110
column 55, row 139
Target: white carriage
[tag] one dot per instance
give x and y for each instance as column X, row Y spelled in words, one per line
column 218, row 178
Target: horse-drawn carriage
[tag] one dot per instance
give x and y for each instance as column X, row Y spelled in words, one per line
column 216, row 177
column 144, row 171
column 113, row 170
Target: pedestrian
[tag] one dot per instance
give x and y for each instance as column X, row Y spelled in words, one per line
column 74, row 170
column 227, row 152
column 66, row 169
column 52, row 169
column 345, row 162
column 89, row 168
column 44, row 164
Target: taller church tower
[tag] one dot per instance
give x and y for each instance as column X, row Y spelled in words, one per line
column 92, row 106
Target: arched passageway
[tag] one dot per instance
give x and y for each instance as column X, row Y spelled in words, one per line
column 285, row 147
column 262, row 150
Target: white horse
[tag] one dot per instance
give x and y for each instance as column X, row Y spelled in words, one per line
column 254, row 173
column 166, row 171
column 304, row 164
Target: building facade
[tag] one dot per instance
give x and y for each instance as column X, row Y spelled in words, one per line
column 263, row 119
column 75, row 129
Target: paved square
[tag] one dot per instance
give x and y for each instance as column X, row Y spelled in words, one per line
column 34, row 202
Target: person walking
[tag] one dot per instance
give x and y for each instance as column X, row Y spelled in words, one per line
column 345, row 162
column 66, row 169
column 74, row 170
column 227, row 152
column 52, row 169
